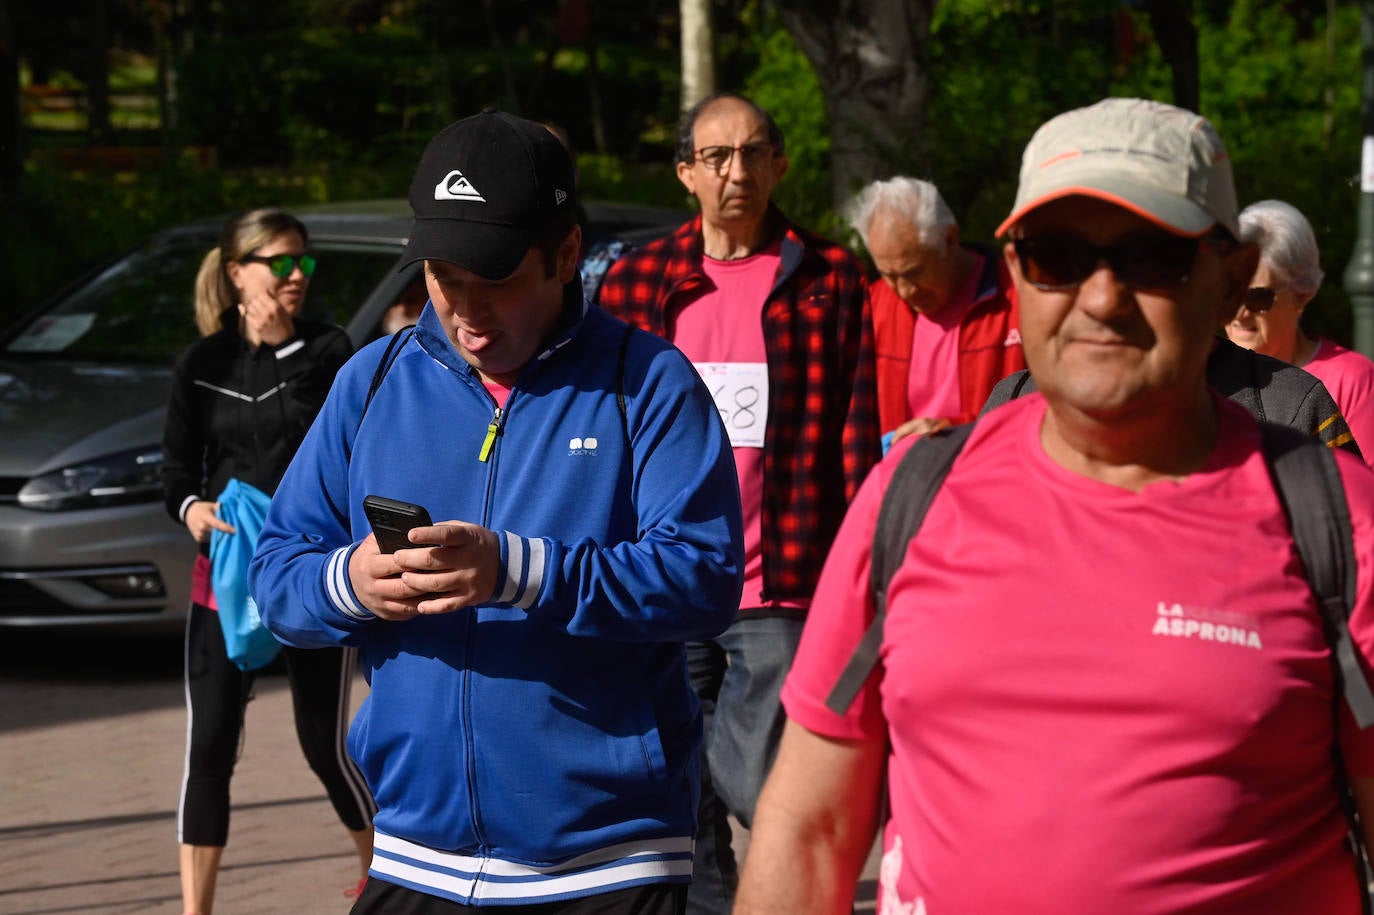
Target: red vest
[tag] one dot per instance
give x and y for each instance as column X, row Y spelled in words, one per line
column 989, row 343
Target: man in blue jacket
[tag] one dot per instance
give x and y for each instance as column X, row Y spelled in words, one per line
column 530, row 736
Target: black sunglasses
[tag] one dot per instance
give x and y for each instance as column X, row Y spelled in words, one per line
column 281, row 265
column 1150, row 260
column 1260, row 298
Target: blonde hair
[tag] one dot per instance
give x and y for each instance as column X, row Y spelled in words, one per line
column 241, row 235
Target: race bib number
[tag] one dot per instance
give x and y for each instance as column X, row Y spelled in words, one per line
column 740, row 390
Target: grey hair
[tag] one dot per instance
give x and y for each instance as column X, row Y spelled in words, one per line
column 1287, row 245
column 919, row 202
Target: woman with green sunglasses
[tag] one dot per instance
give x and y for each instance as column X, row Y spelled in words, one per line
column 243, row 397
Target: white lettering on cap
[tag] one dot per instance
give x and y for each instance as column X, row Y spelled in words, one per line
column 559, row 195
column 456, row 186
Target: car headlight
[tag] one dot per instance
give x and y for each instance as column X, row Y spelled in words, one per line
column 118, row 479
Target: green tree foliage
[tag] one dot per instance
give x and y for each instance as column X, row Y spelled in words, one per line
column 786, row 87
column 333, row 99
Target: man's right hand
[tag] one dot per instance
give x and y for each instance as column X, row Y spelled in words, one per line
column 202, row 517
column 376, row 580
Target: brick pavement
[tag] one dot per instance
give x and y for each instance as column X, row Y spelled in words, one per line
column 90, row 767
column 92, row 735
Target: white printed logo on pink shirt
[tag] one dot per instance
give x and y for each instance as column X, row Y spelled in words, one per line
column 1227, row 628
column 889, row 869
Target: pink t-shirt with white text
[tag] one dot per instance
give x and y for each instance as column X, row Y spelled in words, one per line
column 932, row 387
column 726, row 326
column 1098, row 700
column 1349, row 378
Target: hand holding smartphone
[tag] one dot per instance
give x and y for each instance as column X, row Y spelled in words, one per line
column 391, row 520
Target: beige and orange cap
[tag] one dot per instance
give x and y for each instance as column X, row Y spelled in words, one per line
column 1163, row 163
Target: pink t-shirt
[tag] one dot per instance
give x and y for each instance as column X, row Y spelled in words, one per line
column 724, row 327
column 1349, row 377
column 1098, row 700
column 499, row 392
column 932, row 387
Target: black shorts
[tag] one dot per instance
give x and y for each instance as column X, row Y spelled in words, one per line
column 381, row 898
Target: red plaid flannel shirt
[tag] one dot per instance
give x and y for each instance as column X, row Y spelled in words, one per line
column 822, row 435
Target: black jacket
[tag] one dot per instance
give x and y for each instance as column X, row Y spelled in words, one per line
column 237, row 411
column 1269, row 388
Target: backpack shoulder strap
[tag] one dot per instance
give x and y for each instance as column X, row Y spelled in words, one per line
column 1313, row 498
column 915, row 481
column 389, row 356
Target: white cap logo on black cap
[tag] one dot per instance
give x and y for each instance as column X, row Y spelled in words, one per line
column 457, row 187
column 524, row 168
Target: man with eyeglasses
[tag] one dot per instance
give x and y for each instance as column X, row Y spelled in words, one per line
column 1105, row 685
column 774, row 319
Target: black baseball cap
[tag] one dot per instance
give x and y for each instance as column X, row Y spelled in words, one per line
column 484, row 188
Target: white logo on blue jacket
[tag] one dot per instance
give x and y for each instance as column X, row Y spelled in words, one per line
column 582, row 445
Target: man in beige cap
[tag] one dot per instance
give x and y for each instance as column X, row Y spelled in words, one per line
column 1105, row 685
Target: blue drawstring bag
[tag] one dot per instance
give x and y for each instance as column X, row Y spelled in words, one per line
column 246, row 639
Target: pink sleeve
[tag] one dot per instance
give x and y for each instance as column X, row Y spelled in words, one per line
column 1358, row 746
column 840, row 613
column 1360, row 418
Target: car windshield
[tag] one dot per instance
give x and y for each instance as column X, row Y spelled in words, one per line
column 139, row 308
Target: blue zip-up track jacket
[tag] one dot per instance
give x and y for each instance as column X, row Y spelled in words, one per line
column 543, row 745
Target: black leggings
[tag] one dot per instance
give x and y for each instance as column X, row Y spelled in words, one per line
column 216, row 693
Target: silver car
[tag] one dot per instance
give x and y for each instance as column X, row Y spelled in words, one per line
column 84, row 383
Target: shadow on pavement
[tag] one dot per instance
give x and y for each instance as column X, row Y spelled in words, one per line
column 56, row 676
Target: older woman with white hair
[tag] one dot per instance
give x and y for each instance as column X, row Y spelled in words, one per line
column 1267, row 321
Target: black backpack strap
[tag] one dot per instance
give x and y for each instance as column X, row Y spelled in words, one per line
column 915, row 481
column 1309, row 486
column 1313, row 497
column 389, row 356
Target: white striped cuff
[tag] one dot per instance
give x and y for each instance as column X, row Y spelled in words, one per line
column 525, row 561
column 337, row 587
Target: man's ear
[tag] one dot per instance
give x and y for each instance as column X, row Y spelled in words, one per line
column 1009, row 255
column 568, row 250
column 687, row 177
column 1239, row 266
column 951, row 241
column 780, row 166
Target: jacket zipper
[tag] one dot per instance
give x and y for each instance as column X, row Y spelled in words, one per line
column 493, row 430
column 486, row 455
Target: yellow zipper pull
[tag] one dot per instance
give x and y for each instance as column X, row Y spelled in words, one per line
column 490, row 441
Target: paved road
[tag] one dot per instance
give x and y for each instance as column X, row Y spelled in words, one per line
column 90, row 766
column 92, row 733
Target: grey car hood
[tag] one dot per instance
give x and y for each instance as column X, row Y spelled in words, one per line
column 55, row 413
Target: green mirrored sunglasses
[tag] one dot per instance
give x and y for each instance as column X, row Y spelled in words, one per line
column 281, row 265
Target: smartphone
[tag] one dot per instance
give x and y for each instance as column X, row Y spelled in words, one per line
column 391, row 520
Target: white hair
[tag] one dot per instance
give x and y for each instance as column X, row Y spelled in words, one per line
column 1287, row 246
column 919, row 202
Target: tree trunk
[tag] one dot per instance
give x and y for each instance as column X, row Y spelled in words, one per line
column 165, row 25
column 872, row 59
column 599, row 141
column 698, row 51
column 11, row 126
column 1172, row 21
column 98, row 128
